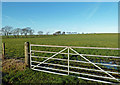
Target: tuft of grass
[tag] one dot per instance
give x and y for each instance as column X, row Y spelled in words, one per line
column 13, row 65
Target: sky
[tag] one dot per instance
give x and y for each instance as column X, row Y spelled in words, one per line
column 87, row 17
column 60, row 0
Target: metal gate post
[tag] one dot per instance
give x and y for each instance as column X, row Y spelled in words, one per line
column 68, row 60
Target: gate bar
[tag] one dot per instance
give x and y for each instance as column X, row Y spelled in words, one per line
column 92, row 75
column 68, row 61
column 79, row 61
column 50, row 57
column 77, row 54
column 94, row 64
column 77, row 76
column 77, row 67
column 75, row 47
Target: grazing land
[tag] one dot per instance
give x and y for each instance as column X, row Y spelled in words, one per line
column 15, row 46
column 15, row 49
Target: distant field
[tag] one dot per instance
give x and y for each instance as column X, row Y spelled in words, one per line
column 15, row 46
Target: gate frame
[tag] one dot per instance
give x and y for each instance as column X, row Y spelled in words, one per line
column 76, row 53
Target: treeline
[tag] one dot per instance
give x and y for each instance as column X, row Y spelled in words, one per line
column 8, row 30
column 18, row 32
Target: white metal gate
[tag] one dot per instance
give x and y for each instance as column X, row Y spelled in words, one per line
column 48, row 69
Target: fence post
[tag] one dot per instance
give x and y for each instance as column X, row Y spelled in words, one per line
column 27, row 55
column 68, row 60
column 3, row 50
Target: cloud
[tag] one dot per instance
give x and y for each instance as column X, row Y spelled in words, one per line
column 93, row 12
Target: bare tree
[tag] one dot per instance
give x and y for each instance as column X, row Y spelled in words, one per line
column 18, row 30
column 22, row 31
column 31, row 31
column 6, row 30
column 3, row 31
column 26, row 30
column 14, row 32
column 40, row 32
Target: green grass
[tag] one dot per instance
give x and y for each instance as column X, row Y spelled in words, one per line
column 15, row 73
column 35, row 77
column 15, row 48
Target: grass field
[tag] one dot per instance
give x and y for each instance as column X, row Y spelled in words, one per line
column 15, row 48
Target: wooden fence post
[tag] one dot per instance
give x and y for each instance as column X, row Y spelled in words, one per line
column 3, row 50
column 27, row 55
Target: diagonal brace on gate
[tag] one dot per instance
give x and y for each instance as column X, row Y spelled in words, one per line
column 94, row 64
column 50, row 57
